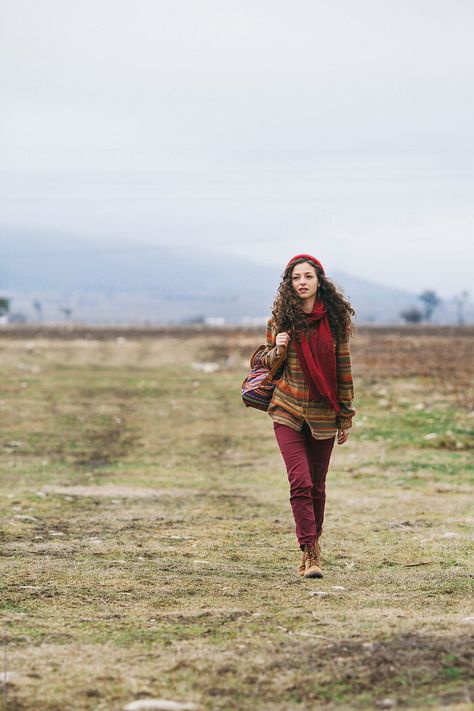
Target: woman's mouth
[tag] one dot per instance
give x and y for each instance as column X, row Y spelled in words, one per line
column 303, row 290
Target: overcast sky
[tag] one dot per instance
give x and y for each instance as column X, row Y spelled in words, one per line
column 258, row 127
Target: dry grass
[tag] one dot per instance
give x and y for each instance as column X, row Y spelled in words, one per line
column 148, row 547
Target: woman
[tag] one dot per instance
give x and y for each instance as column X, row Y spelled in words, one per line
column 313, row 399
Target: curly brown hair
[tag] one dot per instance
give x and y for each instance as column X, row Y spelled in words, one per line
column 287, row 314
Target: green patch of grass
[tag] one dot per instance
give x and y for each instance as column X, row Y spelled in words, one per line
column 427, row 430
column 451, row 668
column 10, row 605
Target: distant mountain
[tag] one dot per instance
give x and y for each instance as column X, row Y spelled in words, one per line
column 158, row 283
column 167, row 272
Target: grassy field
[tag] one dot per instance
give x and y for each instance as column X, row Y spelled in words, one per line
column 148, row 545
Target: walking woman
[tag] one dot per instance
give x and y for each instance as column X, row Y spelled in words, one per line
column 312, row 402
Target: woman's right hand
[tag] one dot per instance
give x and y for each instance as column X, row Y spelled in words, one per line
column 282, row 339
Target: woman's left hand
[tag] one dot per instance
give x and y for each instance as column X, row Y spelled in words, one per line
column 342, row 436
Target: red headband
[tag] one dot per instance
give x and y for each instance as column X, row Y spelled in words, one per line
column 306, row 256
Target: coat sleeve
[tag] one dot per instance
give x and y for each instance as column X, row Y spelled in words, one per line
column 269, row 355
column 345, row 384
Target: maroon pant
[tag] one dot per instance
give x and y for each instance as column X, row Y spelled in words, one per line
column 307, row 462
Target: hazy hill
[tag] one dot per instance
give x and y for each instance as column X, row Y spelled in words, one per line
column 160, row 284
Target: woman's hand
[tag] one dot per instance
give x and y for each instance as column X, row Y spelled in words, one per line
column 282, row 340
column 342, row 436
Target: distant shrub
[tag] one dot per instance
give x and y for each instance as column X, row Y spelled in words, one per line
column 412, row 315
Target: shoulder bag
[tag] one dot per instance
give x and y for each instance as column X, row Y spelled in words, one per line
column 258, row 386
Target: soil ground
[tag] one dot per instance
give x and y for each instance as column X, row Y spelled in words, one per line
column 148, row 545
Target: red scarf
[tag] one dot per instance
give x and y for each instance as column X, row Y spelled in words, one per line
column 317, row 357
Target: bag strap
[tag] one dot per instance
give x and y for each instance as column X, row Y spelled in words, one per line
column 276, row 365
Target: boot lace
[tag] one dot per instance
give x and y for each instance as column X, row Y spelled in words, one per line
column 312, row 555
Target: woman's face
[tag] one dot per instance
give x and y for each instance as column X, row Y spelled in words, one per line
column 304, row 280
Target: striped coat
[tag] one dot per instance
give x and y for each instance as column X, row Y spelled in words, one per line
column 291, row 403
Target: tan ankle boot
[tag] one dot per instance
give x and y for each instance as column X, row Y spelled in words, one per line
column 302, row 567
column 312, row 561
